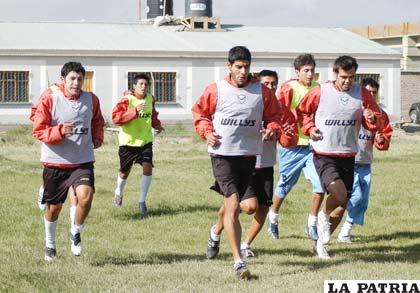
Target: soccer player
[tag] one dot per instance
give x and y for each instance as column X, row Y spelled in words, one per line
column 294, row 160
column 136, row 115
column 358, row 203
column 332, row 115
column 69, row 123
column 262, row 176
column 229, row 115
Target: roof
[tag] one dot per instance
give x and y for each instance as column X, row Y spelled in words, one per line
column 115, row 39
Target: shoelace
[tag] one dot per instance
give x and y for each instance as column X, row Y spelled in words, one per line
column 213, row 243
column 76, row 239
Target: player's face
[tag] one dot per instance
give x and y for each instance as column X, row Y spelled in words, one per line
column 344, row 79
column 306, row 74
column 239, row 71
column 372, row 90
column 270, row 82
column 73, row 83
column 140, row 87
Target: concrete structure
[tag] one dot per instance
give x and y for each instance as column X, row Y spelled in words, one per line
column 111, row 51
column 405, row 38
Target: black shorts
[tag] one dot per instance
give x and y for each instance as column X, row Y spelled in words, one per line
column 263, row 182
column 233, row 174
column 58, row 181
column 130, row 155
column 330, row 169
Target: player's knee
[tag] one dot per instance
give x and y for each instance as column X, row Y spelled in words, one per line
column 249, row 207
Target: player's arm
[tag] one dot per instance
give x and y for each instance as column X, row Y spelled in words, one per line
column 203, row 111
column 285, row 95
column 306, row 111
column 272, row 114
column 383, row 137
column 289, row 135
column 122, row 114
column 373, row 119
column 156, row 124
column 98, row 123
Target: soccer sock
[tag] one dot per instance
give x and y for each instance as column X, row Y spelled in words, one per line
column 120, row 185
column 237, row 262
column 244, row 245
column 74, row 229
column 50, row 228
column 144, row 187
column 213, row 235
column 72, row 214
column 273, row 217
column 323, row 217
column 312, row 220
column 346, row 229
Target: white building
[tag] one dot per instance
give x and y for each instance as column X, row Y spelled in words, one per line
column 182, row 63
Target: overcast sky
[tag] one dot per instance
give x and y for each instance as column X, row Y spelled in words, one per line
column 331, row 13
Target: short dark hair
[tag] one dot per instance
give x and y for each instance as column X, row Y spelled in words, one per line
column 304, row 59
column 139, row 76
column 370, row 81
column 72, row 66
column 239, row 53
column 345, row 63
column 267, row 72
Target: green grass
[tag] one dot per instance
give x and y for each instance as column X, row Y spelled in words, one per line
column 166, row 252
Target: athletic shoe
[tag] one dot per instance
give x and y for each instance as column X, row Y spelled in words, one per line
column 247, row 253
column 50, row 253
column 324, row 233
column 312, row 232
column 41, row 205
column 241, row 270
column 321, row 250
column 273, row 229
column 143, row 210
column 344, row 239
column 76, row 244
column 118, row 200
column 212, row 247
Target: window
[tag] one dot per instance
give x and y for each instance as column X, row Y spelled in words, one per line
column 162, row 85
column 88, row 82
column 14, row 86
column 360, row 76
column 316, row 76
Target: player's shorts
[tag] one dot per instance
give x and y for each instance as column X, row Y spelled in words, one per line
column 333, row 168
column 130, row 155
column 263, row 181
column 233, row 174
column 58, row 181
column 292, row 161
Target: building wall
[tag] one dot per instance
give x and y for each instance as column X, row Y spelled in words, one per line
column 410, row 92
column 110, row 80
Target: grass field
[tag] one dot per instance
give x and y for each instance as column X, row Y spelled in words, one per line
column 166, row 252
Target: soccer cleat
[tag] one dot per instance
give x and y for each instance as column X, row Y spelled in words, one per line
column 118, row 200
column 41, row 205
column 273, row 229
column 76, row 244
column 247, row 253
column 323, row 228
column 143, row 210
column 312, row 232
column 344, row 239
column 212, row 247
column 241, row 270
column 50, row 253
column 321, row 250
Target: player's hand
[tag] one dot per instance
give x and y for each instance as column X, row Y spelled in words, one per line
column 159, row 129
column 315, row 134
column 67, row 128
column 212, row 138
column 97, row 143
column 268, row 134
column 140, row 107
column 287, row 129
column 368, row 114
column 380, row 139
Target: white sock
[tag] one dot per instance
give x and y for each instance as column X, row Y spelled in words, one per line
column 244, row 245
column 213, row 235
column 72, row 213
column 144, row 187
column 237, row 262
column 312, row 220
column 323, row 217
column 120, row 185
column 273, row 217
column 74, row 229
column 50, row 228
column 346, row 229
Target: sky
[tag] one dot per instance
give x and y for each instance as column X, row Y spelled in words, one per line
column 302, row 13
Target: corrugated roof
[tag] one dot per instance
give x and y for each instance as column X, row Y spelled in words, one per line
column 107, row 39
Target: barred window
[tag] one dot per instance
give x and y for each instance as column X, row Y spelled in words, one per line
column 14, row 86
column 162, row 85
column 360, row 76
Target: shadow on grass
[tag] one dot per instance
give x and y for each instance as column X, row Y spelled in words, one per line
column 152, row 259
column 392, row 236
column 164, row 210
column 284, row 251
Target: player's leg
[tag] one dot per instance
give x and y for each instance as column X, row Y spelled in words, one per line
column 126, row 155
